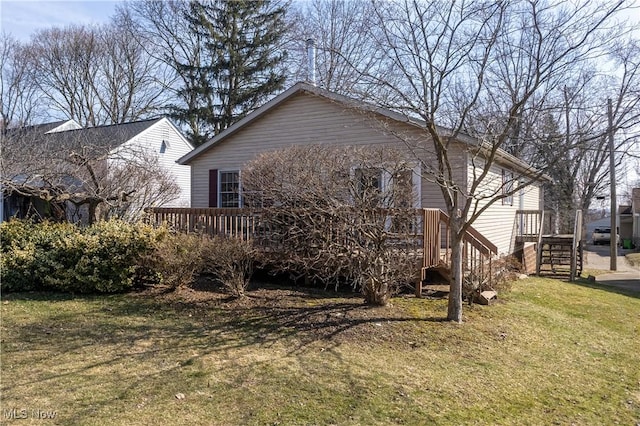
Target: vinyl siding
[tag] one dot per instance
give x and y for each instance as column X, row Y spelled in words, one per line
column 151, row 139
column 497, row 223
column 306, row 119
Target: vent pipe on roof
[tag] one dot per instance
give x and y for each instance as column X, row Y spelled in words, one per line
column 311, row 61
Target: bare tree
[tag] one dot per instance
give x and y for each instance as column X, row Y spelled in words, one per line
column 95, row 75
column 342, row 38
column 64, row 62
column 454, row 62
column 132, row 82
column 578, row 127
column 19, row 97
column 338, row 214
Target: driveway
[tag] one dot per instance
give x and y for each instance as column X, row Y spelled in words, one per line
column 626, row 278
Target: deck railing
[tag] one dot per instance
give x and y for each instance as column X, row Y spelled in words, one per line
column 239, row 223
column 530, row 224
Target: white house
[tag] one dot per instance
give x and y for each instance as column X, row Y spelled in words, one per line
column 158, row 139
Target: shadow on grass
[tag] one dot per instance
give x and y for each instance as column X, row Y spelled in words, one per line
column 623, row 287
column 302, row 315
column 130, row 343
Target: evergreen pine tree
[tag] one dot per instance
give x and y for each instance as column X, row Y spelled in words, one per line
column 238, row 67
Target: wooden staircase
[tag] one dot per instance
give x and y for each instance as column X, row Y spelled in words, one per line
column 477, row 251
column 559, row 254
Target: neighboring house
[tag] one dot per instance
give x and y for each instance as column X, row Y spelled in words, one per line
column 629, row 220
column 12, row 204
column 54, row 127
column 157, row 139
column 306, row 115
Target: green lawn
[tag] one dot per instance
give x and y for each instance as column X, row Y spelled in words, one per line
column 548, row 353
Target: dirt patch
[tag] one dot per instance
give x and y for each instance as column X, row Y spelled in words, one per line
column 270, row 311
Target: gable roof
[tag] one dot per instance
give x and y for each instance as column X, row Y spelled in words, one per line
column 503, row 157
column 98, row 138
column 108, row 136
column 297, row 88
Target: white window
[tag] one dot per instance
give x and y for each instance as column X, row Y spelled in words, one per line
column 164, row 146
column 507, row 188
column 368, row 185
column 229, row 189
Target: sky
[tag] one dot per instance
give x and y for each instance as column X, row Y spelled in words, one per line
column 23, row 17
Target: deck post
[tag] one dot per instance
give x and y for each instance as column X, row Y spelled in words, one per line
column 539, row 243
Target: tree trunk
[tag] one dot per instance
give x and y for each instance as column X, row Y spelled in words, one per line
column 376, row 292
column 92, row 210
column 454, row 309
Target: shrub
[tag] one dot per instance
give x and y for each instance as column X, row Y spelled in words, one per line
column 110, row 256
column 31, row 257
column 332, row 218
column 176, row 258
column 230, row 260
column 16, row 268
column 101, row 258
column 507, row 269
column 500, row 277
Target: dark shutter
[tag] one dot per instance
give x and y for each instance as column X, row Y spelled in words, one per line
column 213, row 188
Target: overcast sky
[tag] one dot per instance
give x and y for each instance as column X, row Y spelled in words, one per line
column 23, row 17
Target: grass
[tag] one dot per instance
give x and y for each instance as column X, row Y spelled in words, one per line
column 634, row 259
column 549, row 352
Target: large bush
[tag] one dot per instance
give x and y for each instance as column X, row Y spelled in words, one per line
column 113, row 256
column 175, row 260
column 31, row 256
column 334, row 214
column 52, row 256
column 110, row 256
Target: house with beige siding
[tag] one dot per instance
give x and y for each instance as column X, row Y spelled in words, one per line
column 308, row 115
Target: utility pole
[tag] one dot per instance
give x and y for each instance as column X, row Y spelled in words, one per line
column 613, row 243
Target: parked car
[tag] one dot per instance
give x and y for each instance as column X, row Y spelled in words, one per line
column 603, row 236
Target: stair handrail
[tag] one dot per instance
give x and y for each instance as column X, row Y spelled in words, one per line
column 478, row 258
column 433, row 241
column 473, row 236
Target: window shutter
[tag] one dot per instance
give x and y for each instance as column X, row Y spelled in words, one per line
column 213, row 188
